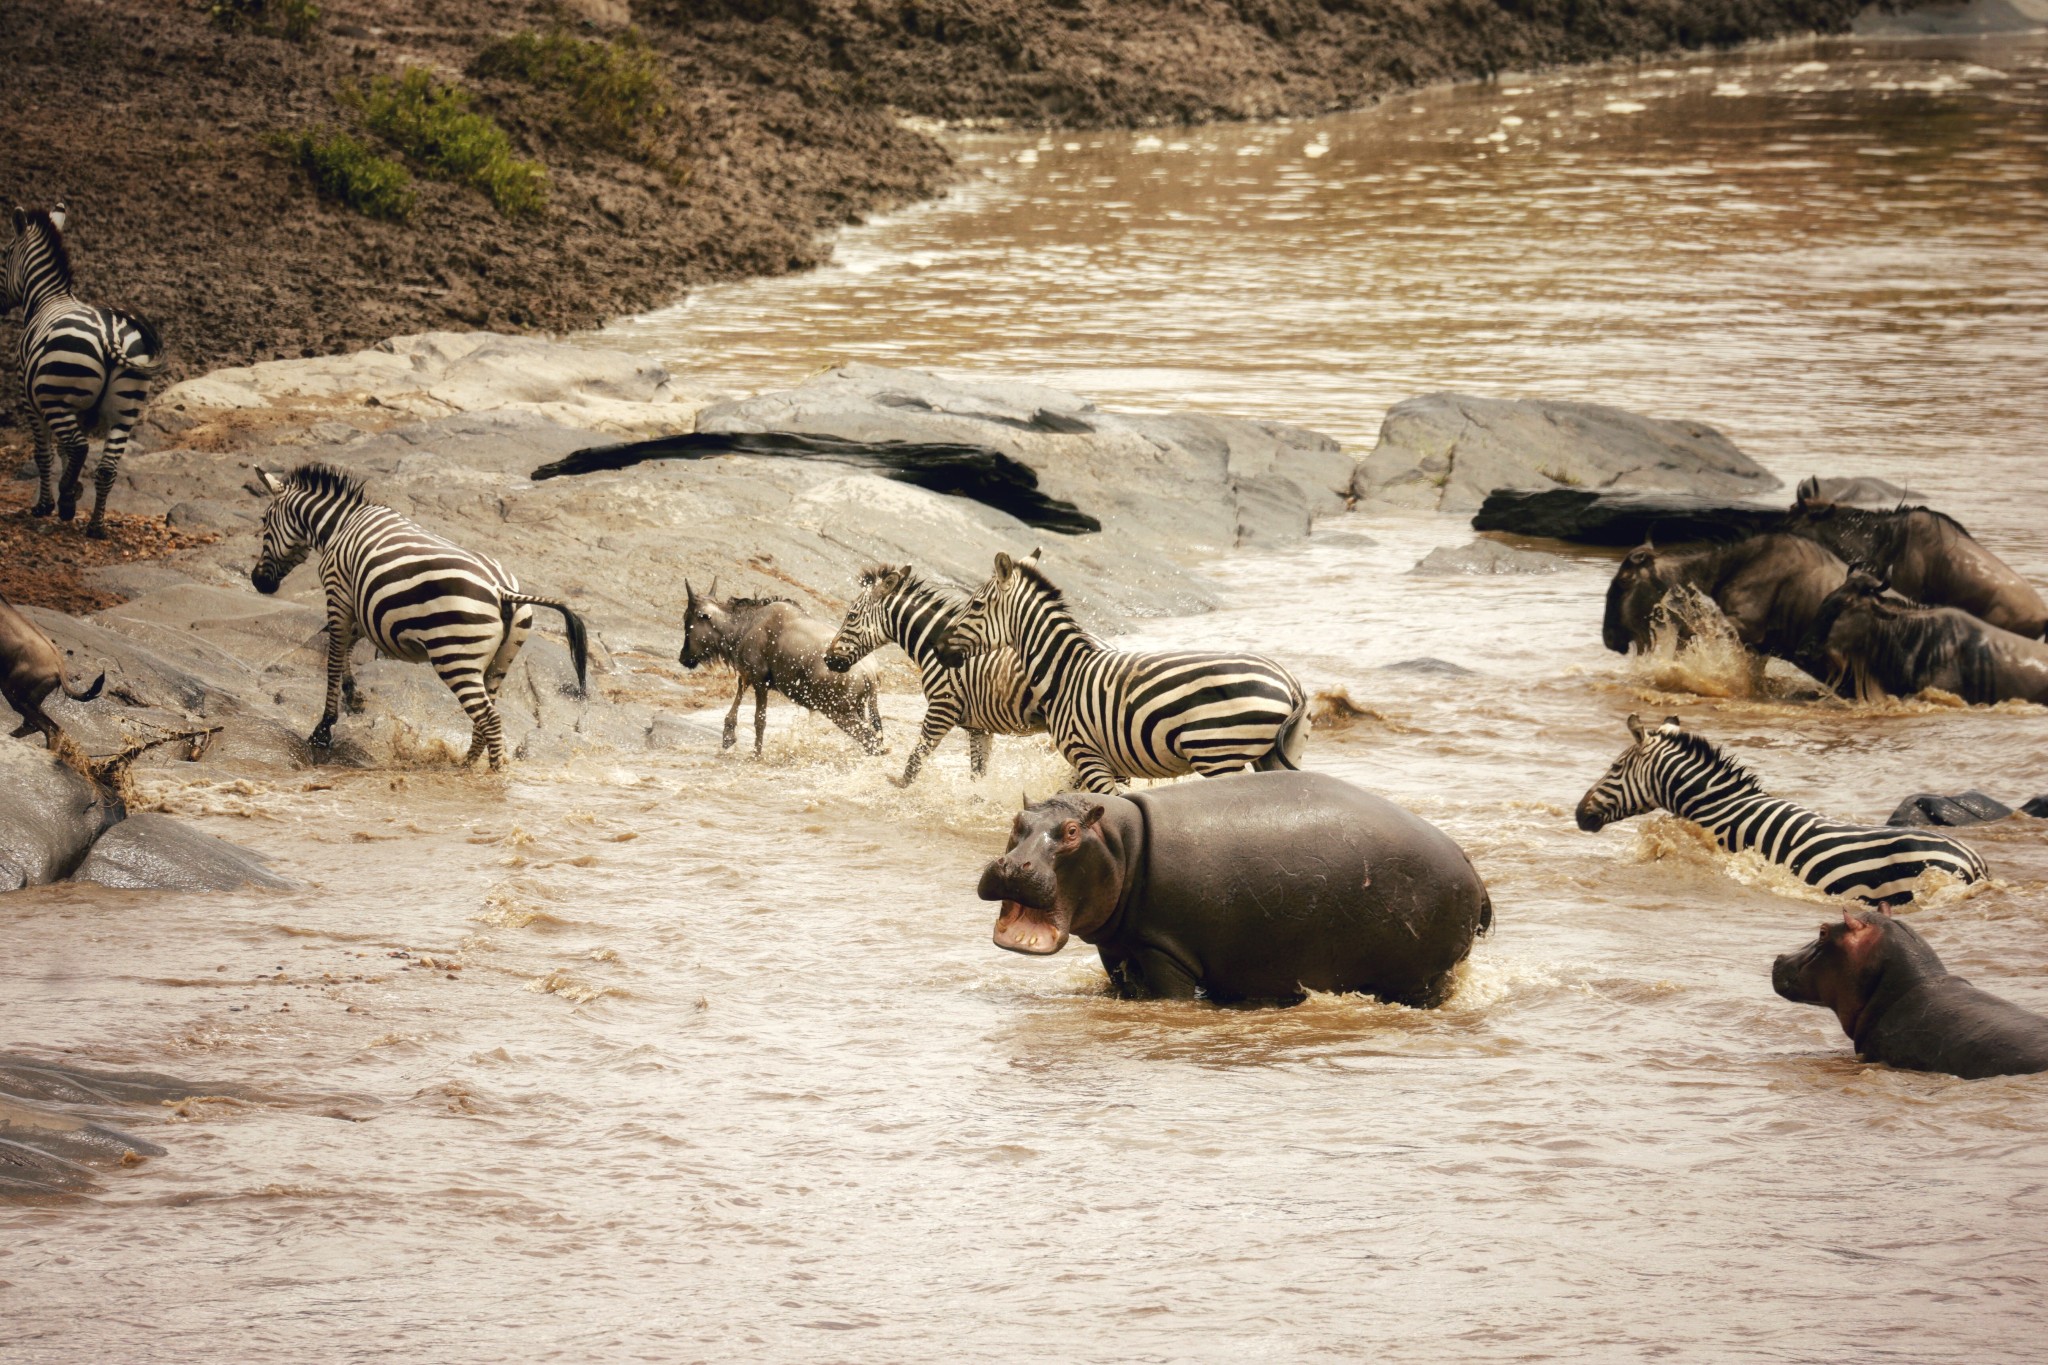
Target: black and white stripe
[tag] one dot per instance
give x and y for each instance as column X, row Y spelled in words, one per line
column 985, row 694
column 414, row 595
column 1118, row 714
column 83, row 370
column 1668, row 769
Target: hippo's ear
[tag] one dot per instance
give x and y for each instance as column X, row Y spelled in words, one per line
column 1093, row 817
column 1635, row 726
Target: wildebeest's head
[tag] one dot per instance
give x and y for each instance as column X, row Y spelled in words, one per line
column 865, row 628
column 705, row 626
column 1638, row 586
column 1846, row 630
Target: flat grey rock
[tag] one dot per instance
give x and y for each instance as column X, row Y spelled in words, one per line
column 1447, row 451
column 154, row 852
column 1485, row 558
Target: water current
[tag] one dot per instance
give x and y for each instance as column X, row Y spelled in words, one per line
column 696, row 1058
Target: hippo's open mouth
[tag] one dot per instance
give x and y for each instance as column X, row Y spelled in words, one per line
column 1025, row 928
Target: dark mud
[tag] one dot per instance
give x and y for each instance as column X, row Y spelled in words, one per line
column 150, row 123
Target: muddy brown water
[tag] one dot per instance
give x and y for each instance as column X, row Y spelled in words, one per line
column 701, row 1058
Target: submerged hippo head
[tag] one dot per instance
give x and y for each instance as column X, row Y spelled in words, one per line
column 1060, row 875
column 1844, row 967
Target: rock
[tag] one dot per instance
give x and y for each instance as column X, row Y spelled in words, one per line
column 52, row 1139
column 206, row 514
column 1948, row 20
column 1929, row 808
column 1447, row 451
column 155, row 852
column 1622, row 519
column 1484, row 557
column 2038, row 808
column 49, row 816
column 1190, row 481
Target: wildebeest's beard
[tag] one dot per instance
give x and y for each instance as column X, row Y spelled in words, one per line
column 1631, row 597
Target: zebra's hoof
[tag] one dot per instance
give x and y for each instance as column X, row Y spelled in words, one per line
column 66, row 511
column 42, row 509
column 322, row 738
column 96, row 531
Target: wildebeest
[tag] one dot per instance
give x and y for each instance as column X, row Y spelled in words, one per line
column 1925, row 554
column 32, row 667
column 769, row 643
column 1770, row 587
column 1879, row 645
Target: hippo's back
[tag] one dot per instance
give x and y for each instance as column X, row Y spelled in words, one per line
column 1271, row 883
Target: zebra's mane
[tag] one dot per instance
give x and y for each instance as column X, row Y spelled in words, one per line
column 60, row 259
column 1045, row 585
column 323, row 479
column 1699, row 746
column 875, row 573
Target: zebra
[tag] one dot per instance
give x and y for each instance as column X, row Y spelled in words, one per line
column 1670, row 769
column 414, row 595
column 985, row 693
column 83, row 370
column 1119, row 714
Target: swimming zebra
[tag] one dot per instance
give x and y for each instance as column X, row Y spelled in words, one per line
column 416, row 596
column 1668, row 769
column 83, row 369
column 985, row 693
column 1118, row 714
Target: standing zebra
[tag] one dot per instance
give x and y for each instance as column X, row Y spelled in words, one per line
column 1668, row 769
column 83, row 369
column 985, row 693
column 1118, row 714
column 416, row 596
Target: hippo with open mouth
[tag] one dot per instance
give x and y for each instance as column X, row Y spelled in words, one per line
column 1248, row 889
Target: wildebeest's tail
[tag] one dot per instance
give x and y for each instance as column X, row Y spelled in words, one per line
column 1288, row 744
column 579, row 638
column 88, row 694
column 147, row 356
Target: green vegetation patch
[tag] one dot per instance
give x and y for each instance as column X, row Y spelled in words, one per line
column 615, row 89
column 297, row 20
column 434, row 125
column 346, row 169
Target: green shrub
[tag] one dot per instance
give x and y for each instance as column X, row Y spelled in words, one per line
column 615, row 89
column 344, row 168
column 294, row 19
column 434, row 125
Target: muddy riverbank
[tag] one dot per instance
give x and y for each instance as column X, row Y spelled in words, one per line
column 782, row 122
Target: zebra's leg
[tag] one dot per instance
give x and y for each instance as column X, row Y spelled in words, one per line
column 71, row 446
column 1092, row 771
column 107, row 470
column 939, row 720
column 760, row 716
column 341, row 638
column 516, row 632
column 979, row 745
column 486, row 733
column 732, row 717
column 46, row 463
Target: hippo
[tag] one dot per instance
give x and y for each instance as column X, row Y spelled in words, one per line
column 1250, row 888
column 1925, row 554
column 1770, row 587
column 1900, row 1006
column 1875, row 646
column 31, row 668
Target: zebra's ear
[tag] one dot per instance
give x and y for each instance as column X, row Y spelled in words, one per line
column 20, row 218
column 1671, row 726
column 57, row 217
column 892, row 578
column 1004, row 564
column 270, row 482
column 1036, row 551
column 1635, row 726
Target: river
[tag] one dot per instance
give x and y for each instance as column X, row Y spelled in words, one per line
column 694, row 1058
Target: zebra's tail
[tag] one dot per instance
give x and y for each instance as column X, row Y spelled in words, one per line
column 1288, row 744
column 149, row 358
column 88, row 694
column 579, row 638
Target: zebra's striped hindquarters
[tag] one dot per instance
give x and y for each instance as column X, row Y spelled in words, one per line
column 1670, row 769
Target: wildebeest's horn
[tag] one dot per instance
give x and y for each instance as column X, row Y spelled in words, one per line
column 1809, row 487
column 1023, row 799
column 712, row 591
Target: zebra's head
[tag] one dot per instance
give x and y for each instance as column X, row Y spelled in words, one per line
column 304, row 507
column 35, row 258
column 1631, row 786
column 994, row 615
column 864, row 631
